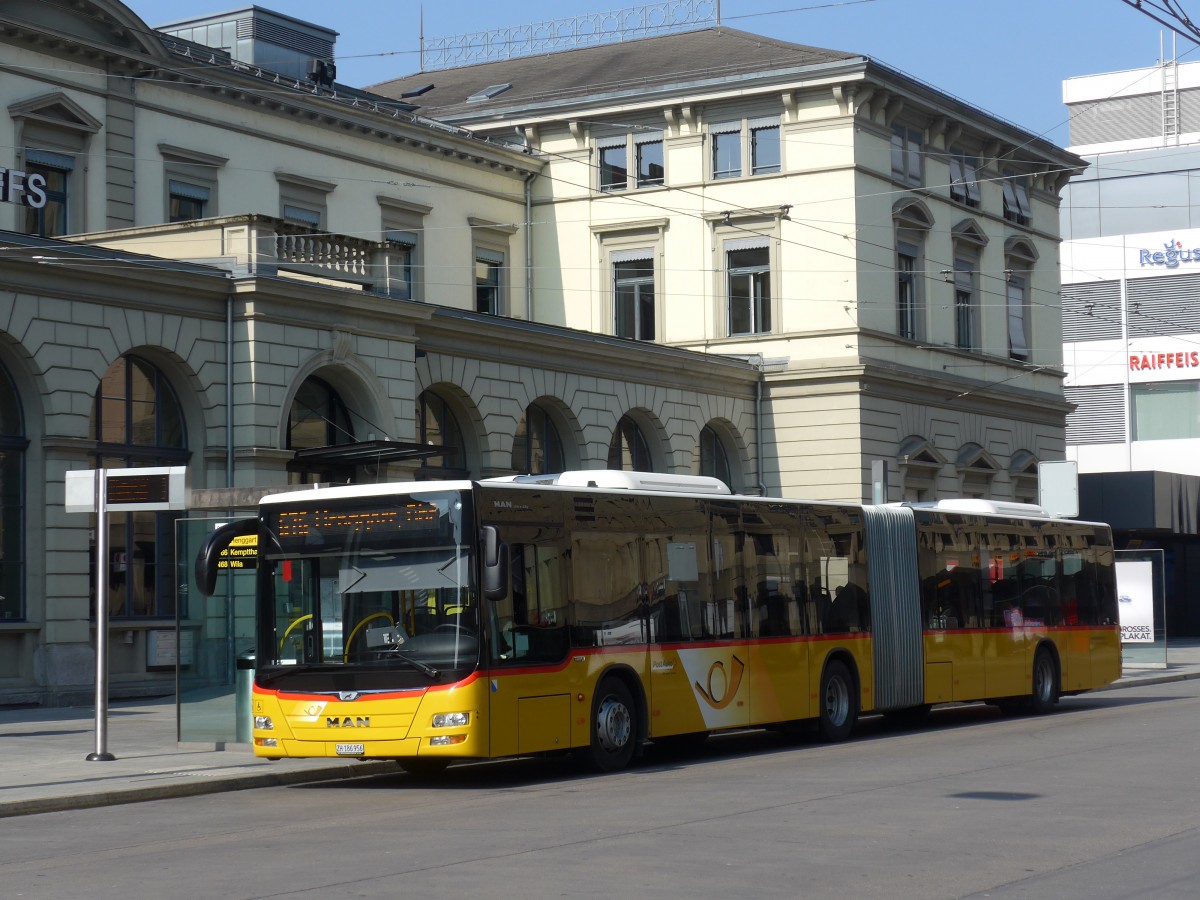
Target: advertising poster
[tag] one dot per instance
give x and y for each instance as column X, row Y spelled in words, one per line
column 1135, row 590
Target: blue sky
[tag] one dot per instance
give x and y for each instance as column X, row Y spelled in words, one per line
column 1008, row 57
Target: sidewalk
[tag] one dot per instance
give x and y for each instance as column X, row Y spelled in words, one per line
column 43, row 765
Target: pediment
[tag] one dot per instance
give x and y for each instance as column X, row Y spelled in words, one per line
column 918, row 453
column 968, row 230
column 56, row 109
column 972, row 457
column 99, row 23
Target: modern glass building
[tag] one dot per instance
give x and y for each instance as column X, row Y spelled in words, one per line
column 1131, row 313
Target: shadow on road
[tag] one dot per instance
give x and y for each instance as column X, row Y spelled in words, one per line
column 531, row 772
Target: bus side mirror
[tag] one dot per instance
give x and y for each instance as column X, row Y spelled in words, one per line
column 212, row 548
column 495, row 565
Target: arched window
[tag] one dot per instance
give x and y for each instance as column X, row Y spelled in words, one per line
column 969, row 242
column 1020, row 257
column 437, row 426
column 714, row 461
column 628, row 449
column 537, row 446
column 137, row 421
column 912, row 224
column 12, row 501
column 318, row 418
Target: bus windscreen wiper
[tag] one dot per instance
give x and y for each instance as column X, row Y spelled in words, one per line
column 390, row 640
column 416, row 663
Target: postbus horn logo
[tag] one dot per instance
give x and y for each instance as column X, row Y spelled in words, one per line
column 730, row 683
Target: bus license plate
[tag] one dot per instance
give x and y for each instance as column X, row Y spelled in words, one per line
column 348, row 749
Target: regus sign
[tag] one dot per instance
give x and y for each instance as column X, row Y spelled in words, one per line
column 1170, row 256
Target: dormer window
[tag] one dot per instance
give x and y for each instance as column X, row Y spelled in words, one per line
column 488, row 93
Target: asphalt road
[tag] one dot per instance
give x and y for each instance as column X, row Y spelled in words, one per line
column 1099, row 800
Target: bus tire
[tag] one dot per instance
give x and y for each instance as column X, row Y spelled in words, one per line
column 614, row 727
column 839, row 707
column 1045, row 682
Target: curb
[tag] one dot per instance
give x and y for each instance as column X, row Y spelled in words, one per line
column 1128, row 681
column 215, row 785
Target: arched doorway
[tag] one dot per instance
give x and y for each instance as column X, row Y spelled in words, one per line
column 438, row 426
column 12, row 501
column 713, row 458
column 318, row 417
column 137, row 421
column 629, row 450
column 537, row 444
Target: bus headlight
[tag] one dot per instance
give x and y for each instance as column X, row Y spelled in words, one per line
column 447, row 740
column 264, row 723
column 451, row 720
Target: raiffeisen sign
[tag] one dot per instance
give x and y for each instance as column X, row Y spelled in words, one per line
column 1170, row 256
column 1161, row 358
column 28, row 189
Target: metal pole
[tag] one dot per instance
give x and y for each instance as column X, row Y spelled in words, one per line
column 101, row 753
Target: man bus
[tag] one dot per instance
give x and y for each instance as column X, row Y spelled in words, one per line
column 597, row 611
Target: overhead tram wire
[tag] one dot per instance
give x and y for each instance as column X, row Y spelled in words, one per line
column 854, row 258
column 181, row 71
column 933, row 266
column 1175, row 15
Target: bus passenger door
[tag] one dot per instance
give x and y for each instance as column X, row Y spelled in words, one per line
column 1079, row 641
column 530, row 695
column 951, row 608
column 1007, row 659
column 777, row 619
column 698, row 679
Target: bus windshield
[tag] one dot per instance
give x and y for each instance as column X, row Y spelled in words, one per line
column 372, row 586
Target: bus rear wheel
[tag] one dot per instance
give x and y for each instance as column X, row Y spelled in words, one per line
column 613, row 727
column 839, row 710
column 1045, row 683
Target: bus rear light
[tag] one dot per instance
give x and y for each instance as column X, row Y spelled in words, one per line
column 446, row 740
column 451, row 720
column 264, row 723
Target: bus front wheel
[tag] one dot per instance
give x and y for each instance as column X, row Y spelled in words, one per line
column 613, row 727
column 838, row 707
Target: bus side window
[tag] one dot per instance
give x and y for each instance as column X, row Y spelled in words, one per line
column 776, row 609
column 532, row 619
column 724, row 616
column 610, row 601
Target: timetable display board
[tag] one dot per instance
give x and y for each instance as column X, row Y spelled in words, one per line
column 128, row 490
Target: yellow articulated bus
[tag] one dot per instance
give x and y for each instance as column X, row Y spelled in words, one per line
column 597, row 611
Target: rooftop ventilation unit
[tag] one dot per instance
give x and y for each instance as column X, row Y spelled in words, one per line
column 259, row 37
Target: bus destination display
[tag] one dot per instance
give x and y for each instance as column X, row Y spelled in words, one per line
column 337, row 524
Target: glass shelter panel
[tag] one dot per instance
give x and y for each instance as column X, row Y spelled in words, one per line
column 212, row 636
